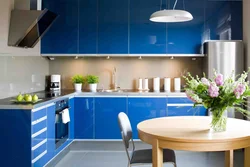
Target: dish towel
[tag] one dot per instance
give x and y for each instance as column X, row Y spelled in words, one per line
column 65, row 116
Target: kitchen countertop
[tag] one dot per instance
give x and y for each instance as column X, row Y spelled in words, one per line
column 50, row 97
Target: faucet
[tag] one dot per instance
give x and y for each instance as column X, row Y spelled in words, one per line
column 114, row 79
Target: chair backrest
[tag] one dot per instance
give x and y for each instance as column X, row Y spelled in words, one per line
column 125, row 128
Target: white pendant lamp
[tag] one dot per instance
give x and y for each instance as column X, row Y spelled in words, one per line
column 169, row 16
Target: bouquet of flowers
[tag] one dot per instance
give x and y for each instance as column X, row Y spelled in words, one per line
column 218, row 94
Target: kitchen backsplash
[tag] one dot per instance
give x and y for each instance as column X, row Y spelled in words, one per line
column 129, row 70
column 22, row 74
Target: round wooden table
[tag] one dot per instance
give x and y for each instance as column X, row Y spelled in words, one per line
column 192, row 133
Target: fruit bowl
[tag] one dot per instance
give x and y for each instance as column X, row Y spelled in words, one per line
column 25, row 102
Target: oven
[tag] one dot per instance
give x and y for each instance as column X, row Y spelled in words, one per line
column 61, row 129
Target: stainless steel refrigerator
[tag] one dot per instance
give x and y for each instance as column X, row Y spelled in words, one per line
column 224, row 56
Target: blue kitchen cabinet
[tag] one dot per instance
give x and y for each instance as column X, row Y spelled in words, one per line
column 62, row 37
column 106, row 116
column 146, row 37
column 113, row 26
column 223, row 20
column 84, row 118
column 72, row 118
column 186, row 37
column 51, row 131
column 143, row 108
column 177, row 106
column 88, row 29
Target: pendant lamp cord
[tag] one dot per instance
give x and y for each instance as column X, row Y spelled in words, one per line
column 175, row 4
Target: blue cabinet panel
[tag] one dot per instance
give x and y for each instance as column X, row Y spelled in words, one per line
column 39, row 126
column 140, row 109
column 145, row 37
column 84, row 118
column 106, row 116
column 62, row 37
column 72, row 118
column 113, row 27
column 15, row 140
column 36, row 114
column 184, row 107
column 39, row 150
column 39, row 138
column 88, row 27
column 51, row 132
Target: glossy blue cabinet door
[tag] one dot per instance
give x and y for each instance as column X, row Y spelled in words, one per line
column 223, row 20
column 88, row 26
column 62, row 37
column 113, row 26
column 186, row 37
column 145, row 37
column 72, row 118
column 84, row 118
column 183, row 106
column 106, row 116
column 15, row 140
column 143, row 108
column 51, row 132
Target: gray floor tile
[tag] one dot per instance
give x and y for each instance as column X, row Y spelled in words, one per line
column 105, row 154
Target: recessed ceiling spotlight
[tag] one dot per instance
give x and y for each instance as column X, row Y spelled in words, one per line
column 108, row 58
column 76, row 57
column 140, row 58
column 172, row 57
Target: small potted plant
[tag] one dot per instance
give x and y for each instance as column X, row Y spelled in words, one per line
column 78, row 80
column 92, row 80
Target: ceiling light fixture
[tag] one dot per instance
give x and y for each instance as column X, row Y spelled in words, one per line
column 139, row 57
column 108, row 57
column 168, row 16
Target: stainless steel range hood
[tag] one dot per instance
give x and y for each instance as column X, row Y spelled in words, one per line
column 27, row 24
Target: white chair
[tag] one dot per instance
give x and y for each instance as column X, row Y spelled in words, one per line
column 138, row 157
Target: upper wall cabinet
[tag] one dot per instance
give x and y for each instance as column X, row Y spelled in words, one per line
column 92, row 27
column 145, row 37
column 62, row 37
column 223, row 20
column 113, row 27
column 88, row 26
column 185, row 37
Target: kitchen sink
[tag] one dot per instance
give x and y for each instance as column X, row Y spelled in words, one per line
column 111, row 90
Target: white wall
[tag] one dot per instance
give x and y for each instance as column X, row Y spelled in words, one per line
column 5, row 11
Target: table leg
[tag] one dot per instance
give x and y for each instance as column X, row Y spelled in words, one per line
column 229, row 158
column 157, row 154
column 247, row 157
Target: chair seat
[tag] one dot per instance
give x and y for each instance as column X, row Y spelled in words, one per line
column 145, row 156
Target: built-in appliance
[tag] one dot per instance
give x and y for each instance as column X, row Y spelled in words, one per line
column 61, row 129
column 55, row 83
column 28, row 23
column 224, row 56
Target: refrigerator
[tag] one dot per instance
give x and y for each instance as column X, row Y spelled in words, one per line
column 224, row 56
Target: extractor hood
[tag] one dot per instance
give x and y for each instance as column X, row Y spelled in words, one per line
column 27, row 24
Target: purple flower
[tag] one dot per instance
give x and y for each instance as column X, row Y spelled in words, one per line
column 205, row 81
column 213, row 90
column 219, row 79
column 239, row 90
column 189, row 94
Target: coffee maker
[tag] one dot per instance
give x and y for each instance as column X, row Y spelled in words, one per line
column 55, row 82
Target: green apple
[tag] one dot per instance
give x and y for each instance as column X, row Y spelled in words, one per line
column 19, row 97
column 34, row 98
column 28, row 98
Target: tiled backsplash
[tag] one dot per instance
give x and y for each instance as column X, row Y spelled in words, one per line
column 22, row 74
column 129, row 70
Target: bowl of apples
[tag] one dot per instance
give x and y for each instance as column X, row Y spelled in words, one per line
column 27, row 98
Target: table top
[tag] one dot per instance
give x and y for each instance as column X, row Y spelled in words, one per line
column 193, row 129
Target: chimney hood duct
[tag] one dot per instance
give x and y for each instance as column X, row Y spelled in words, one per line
column 27, row 24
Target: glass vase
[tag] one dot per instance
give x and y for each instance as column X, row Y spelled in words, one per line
column 219, row 121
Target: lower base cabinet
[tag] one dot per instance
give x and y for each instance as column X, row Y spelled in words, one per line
column 143, row 108
column 106, row 116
